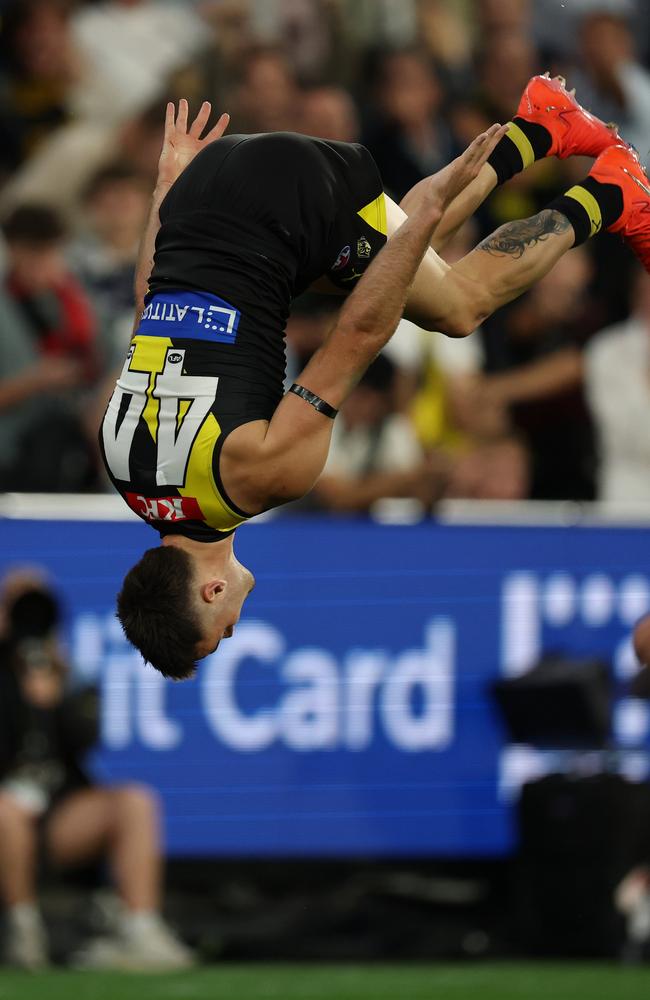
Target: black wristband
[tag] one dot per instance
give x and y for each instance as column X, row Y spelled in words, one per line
column 314, row 400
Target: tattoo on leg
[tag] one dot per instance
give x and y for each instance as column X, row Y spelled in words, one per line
column 513, row 239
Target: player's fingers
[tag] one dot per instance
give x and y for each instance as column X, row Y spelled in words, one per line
column 183, row 112
column 474, row 151
column 494, row 137
column 219, row 128
column 170, row 115
column 483, row 145
column 201, row 120
column 477, row 146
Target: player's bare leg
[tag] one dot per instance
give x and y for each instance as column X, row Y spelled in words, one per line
column 455, row 300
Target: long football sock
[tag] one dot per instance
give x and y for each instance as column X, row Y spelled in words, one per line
column 589, row 206
column 524, row 143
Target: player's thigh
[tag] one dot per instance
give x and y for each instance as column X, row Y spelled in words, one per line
column 432, row 296
column 79, row 827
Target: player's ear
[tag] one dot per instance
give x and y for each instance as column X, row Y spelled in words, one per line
column 211, row 590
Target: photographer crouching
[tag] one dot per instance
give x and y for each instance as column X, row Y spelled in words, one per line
column 51, row 811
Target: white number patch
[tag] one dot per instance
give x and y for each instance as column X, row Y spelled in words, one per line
column 174, row 442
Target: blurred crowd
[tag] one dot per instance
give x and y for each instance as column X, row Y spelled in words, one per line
column 549, row 400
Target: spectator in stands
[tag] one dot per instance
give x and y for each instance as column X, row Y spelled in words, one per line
column 308, row 25
column 617, row 386
column 492, row 470
column 141, row 140
column 374, row 452
column 448, row 37
column 612, row 82
column 410, row 138
column 103, row 257
column 47, row 356
column 329, row 113
column 267, row 98
column 534, row 365
column 312, row 317
column 39, row 65
column 130, row 49
column 50, row 807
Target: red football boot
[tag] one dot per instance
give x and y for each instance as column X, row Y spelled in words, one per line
column 620, row 165
column 573, row 130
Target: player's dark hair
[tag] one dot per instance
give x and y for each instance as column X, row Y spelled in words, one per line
column 155, row 609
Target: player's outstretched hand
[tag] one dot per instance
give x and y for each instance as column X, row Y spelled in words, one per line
column 448, row 183
column 182, row 143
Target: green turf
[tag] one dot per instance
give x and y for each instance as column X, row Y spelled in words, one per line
column 335, row 982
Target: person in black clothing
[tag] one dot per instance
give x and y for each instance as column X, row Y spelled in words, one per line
column 50, row 806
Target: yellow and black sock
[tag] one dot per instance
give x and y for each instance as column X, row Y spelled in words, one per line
column 589, row 206
column 524, row 143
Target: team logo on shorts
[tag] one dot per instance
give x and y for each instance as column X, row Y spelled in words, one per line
column 363, row 248
column 343, row 259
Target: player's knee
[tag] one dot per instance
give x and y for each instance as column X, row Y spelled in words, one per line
column 12, row 816
column 461, row 324
column 133, row 799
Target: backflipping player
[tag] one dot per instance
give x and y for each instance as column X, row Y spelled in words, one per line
column 198, row 435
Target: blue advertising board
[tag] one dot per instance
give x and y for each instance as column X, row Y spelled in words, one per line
column 350, row 713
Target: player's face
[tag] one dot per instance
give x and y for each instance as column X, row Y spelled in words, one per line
column 221, row 615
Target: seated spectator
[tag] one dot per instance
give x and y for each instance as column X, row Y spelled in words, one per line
column 617, row 386
column 410, row 139
column 374, row 453
column 50, row 808
column 103, row 257
column 47, row 340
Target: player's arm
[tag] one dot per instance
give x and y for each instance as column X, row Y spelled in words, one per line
column 180, row 146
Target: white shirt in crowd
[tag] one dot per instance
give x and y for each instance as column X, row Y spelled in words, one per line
column 410, row 347
column 359, row 450
column 129, row 53
column 617, row 384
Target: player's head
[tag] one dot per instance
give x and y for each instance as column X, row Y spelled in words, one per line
column 175, row 610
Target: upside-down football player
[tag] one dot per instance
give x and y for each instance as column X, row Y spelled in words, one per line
column 199, row 434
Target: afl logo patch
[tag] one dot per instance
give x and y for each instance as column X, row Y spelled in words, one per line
column 363, row 248
column 343, row 259
column 174, row 358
